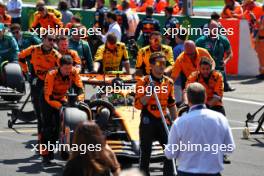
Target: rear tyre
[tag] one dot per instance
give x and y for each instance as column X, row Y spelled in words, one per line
column 12, row 77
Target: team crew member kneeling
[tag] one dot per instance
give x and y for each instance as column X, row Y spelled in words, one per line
column 57, row 83
column 212, row 80
column 151, row 127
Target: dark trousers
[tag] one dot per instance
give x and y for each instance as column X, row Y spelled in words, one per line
column 223, row 72
column 16, row 20
column 152, row 129
column 220, row 109
column 180, row 173
column 36, row 90
column 50, row 118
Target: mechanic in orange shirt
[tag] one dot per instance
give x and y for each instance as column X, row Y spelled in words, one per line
column 212, row 80
column 43, row 57
column 63, row 48
column 188, row 61
column 44, row 18
column 151, row 127
column 57, row 82
column 232, row 9
column 4, row 17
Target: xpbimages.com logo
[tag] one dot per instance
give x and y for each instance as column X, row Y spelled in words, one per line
column 191, row 147
column 191, row 31
column 82, row 148
column 128, row 89
column 82, row 32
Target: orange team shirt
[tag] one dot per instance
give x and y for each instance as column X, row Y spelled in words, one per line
column 143, row 7
column 160, row 6
column 261, row 28
column 238, row 10
column 42, row 62
column 132, row 4
column 75, row 57
column 56, row 87
column 50, row 20
column 214, row 86
column 257, row 11
column 184, row 64
column 165, row 95
column 6, row 19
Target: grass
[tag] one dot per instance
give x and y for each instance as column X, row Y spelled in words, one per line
column 200, row 3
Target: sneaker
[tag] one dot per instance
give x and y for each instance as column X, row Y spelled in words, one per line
column 260, row 76
column 226, row 160
column 229, row 89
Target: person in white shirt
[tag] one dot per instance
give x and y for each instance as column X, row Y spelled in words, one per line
column 199, row 138
column 113, row 27
column 14, row 9
column 132, row 19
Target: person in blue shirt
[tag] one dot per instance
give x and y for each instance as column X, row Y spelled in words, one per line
column 171, row 23
column 205, row 135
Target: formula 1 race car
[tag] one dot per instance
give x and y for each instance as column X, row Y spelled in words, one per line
column 115, row 114
column 12, row 82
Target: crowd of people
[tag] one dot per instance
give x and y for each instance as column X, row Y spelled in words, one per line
column 52, row 65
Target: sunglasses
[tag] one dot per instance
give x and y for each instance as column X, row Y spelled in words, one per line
column 40, row 8
column 51, row 39
column 160, row 63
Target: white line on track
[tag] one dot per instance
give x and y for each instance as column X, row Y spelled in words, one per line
column 243, row 101
column 240, row 128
